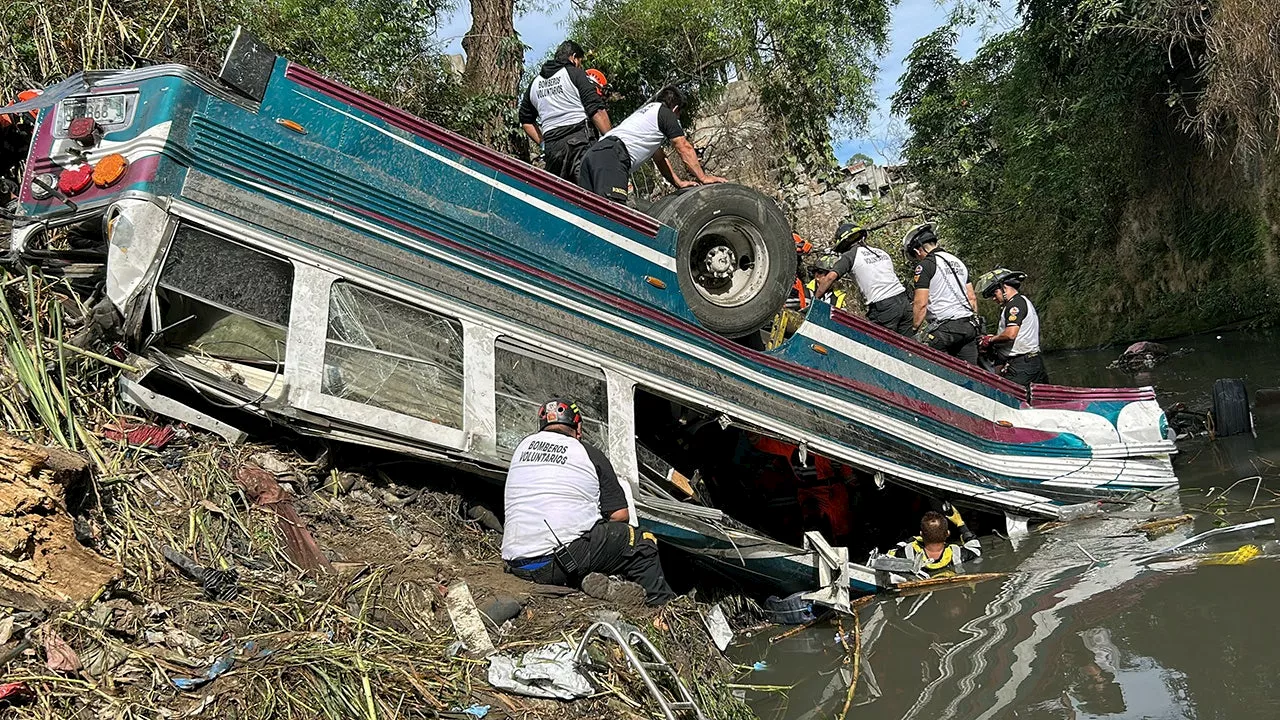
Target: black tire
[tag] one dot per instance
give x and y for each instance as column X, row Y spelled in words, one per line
column 1231, row 408
column 735, row 259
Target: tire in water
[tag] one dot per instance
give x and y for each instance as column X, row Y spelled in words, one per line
column 735, row 259
column 1231, row 408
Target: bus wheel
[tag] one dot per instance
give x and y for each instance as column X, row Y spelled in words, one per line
column 735, row 258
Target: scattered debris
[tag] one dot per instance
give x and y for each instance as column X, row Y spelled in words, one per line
column 216, row 584
column 502, row 608
column 718, row 627
column 1144, row 355
column 1239, row 556
column 545, row 672
column 466, row 620
column 1156, row 528
column 59, row 657
column 142, row 435
column 262, row 488
column 15, row 693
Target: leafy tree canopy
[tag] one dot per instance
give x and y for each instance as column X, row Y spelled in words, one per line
column 813, row 61
column 1063, row 148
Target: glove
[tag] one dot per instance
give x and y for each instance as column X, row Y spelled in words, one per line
column 952, row 514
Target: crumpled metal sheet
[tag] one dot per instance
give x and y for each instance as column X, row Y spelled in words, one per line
column 545, row 672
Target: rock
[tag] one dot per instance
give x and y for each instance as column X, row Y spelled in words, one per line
column 1140, row 356
column 502, row 608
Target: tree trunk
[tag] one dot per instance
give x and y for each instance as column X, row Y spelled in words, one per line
column 495, row 61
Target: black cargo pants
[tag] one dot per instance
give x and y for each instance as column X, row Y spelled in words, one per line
column 606, row 169
column 1025, row 369
column 611, row 548
column 562, row 150
column 893, row 313
column 958, row 338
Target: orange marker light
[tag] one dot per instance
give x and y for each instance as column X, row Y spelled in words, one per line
column 655, row 282
column 291, row 125
column 110, row 170
column 820, row 349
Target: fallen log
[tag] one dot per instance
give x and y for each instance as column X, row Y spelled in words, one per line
column 915, row 587
column 41, row 561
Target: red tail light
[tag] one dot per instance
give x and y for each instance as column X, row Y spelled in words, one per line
column 75, row 180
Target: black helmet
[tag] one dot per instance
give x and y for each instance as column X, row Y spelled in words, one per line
column 559, row 411
column 917, row 236
column 848, row 234
column 989, row 281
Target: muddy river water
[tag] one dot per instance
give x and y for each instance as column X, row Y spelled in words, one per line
column 1067, row 636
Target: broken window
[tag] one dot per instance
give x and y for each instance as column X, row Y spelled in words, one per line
column 390, row 355
column 525, row 379
column 224, row 300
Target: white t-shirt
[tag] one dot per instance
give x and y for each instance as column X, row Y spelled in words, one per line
column 945, row 277
column 1019, row 311
column 557, row 487
column 873, row 270
column 644, row 131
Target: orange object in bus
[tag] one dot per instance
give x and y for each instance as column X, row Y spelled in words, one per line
column 26, row 95
column 109, row 170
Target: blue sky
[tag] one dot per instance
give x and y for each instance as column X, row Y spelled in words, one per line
column 544, row 27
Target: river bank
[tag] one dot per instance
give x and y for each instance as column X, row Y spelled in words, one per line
column 324, row 579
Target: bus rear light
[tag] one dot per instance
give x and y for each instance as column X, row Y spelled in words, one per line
column 110, row 170
column 85, row 131
column 75, row 180
column 42, row 186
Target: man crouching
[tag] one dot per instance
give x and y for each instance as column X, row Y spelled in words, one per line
column 567, row 521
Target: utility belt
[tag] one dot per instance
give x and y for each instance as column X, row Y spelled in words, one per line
column 530, row 564
column 883, row 304
column 564, row 131
column 1025, row 356
column 931, row 326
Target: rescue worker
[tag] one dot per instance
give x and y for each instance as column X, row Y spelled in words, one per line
column 567, row 517
column 560, row 108
column 944, row 310
column 872, row 268
column 1017, row 341
column 940, row 558
column 821, row 266
column 800, row 291
column 608, row 164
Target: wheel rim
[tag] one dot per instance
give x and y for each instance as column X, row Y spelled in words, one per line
column 729, row 262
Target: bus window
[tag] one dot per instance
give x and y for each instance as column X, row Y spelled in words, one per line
column 219, row 299
column 525, row 379
column 389, row 355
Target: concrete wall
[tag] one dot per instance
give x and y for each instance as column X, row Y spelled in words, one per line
column 742, row 142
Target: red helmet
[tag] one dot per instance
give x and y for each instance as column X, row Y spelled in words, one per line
column 559, row 411
column 602, row 83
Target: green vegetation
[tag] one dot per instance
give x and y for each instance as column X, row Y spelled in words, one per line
column 814, row 61
column 1112, row 149
column 387, row 48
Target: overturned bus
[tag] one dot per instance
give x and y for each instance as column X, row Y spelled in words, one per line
column 280, row 244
